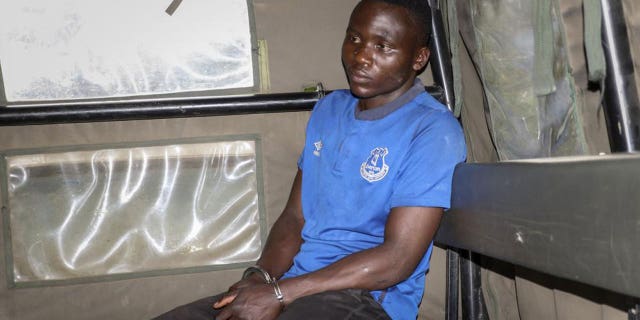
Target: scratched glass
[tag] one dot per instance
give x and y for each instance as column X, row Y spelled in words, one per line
column 82, row 214
column 78, row 49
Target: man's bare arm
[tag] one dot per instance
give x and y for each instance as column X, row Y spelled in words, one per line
column 408, row 233
column 283, row 243
column 285, row 236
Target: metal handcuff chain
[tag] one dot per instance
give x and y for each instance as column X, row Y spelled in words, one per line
column 268, row 279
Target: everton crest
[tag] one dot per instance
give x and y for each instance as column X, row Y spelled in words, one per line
column 318, row 146
column 374, row 169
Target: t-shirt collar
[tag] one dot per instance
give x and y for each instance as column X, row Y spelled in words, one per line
column 387, row 108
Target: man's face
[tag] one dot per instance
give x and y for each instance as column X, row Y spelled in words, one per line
column 380, row 53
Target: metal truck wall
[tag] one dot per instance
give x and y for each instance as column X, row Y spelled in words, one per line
column 139, row 256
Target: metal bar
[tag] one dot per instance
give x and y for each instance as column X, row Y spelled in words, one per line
column 160, row 109
column 440, row 56
column 575, row 218
column 194, row 107
column 473, row 307
column 634, row 313
column 453, row 271
column 622, row 109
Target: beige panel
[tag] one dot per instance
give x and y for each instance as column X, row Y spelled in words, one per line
column 572, row 307
column 304, row 39
column 433, row 301
column 609, row 313
column 579, row 302
column 544, row 297
column 282, row 139
column 535, row 301
column 499, row 290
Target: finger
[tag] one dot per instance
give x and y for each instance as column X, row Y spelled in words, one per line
column 224, row 315
column 225, row 300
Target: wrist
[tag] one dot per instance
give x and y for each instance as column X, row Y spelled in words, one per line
column 278, row 293
column 257, row 271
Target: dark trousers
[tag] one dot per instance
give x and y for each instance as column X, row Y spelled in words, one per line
column 349, row 304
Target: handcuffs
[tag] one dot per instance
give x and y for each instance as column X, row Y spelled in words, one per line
column 268, row 279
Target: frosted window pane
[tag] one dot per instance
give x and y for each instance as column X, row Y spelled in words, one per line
column 78, row 49
column 83, row 214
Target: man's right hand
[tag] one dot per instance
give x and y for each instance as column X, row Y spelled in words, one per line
column 255, row 302
column 231, row 294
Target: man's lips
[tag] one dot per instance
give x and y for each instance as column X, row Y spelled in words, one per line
column 357, row 75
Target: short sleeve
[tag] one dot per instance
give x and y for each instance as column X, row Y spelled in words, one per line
column 426, row 173
column 301, row 159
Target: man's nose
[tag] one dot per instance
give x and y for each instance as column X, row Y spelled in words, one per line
column 362, row 54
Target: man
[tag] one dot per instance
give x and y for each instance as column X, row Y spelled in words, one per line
column 355, row 237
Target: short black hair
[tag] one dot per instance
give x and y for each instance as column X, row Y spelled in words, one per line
column 420, row 13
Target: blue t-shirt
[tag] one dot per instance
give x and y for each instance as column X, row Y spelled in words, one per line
column 354, row 171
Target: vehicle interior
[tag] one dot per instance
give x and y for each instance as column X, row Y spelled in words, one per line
column 147, row 147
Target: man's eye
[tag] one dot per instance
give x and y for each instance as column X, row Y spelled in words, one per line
column 354, row 38
column 383, row 46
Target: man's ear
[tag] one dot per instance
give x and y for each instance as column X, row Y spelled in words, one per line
column 422, row 57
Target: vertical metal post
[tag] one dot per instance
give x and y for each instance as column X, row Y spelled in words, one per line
column 622, row 109
column 634, row 313
column 443, row 77
column 440, row 57
column 473, row 307
column 453, row 270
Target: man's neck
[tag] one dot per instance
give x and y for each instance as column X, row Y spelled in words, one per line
column 389, row 107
